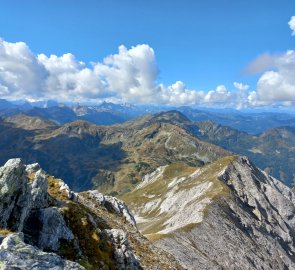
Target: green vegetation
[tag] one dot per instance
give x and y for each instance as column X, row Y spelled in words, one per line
column 94, row 248
column 177, row 170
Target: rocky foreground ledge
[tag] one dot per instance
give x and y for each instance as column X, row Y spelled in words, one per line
column 225, row 215
column 44, row 225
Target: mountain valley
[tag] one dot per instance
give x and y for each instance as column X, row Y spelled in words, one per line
column 111, row 158
column 115, row 158
column 177, row 196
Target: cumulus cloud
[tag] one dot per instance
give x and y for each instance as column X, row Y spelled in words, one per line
column 20, row 70
column 292, row 25
column 276, row 84
column 70, row 79
column 279, row 85
column 241, row 87
column 130, row 75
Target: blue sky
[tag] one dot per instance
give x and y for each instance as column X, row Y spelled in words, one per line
column 203, row 44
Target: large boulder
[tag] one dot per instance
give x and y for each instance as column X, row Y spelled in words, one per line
column 15, row 254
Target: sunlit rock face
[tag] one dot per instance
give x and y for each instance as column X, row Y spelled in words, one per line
column 228, row 214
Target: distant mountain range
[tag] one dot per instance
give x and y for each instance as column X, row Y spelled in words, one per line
column 267, row 138
column 250, row 122
column 272, row 150
column 111, row 158
column 114, row 158
column 108, row 113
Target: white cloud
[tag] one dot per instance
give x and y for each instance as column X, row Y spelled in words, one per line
column 292, row 25
column 178, row 94
column 279, row 85
column 20, row 70
column 131, row 76
column 70, row 79
column 241, row 87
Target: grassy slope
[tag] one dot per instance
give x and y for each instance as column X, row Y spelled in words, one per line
column 96, row 252
column 152, row 221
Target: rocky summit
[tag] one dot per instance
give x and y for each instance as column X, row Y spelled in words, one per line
column 45, row 225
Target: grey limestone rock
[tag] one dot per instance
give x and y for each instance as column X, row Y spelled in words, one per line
column 18, row 196
column 253, row 227
column 124, row 256
column 32, row 168
column 39, row 188
column 15, row 254
column 113, row 204
column 271, row 203
column 14, row 200
column 24, row 205
column 53, row 229
column 71, row 194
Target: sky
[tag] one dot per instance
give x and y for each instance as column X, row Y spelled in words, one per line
column 230, row 53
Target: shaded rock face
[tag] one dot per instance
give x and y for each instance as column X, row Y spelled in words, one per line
column 46, row 228
column 54, row 229
column 125, row 259
column 18, row 196
column 24, row 202
column 15, row 254
column 24, row 206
